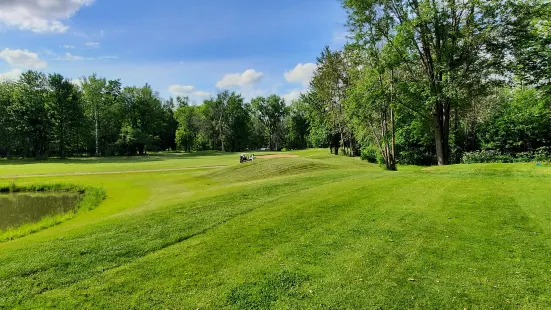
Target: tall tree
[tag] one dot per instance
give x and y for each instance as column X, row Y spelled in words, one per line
column 214, row 111
column 189, row 121
column 271, row 112
column 299, row 126
column 93, row 94
column 29, row 109
column 64, row 109
column 7, row 134
column 330, row 83
column 142, row 121
column 444, row 40
column 236, row 123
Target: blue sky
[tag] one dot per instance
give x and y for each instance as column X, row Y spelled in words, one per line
column 185, row 47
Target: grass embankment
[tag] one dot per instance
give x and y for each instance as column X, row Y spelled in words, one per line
column 315, row 231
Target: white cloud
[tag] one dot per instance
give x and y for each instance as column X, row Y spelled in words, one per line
column 49, row 52
column 293, row 95
column 92, row 44
column 246, row 78
column 13, row 74
column 68, row 46
column 108, row 57
column 187, row 90
column 22, row 59
column 39, row 15
column 302, row 73
column 69, row 56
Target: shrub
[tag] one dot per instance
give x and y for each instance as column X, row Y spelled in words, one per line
column 369, row 153
column 490, row 156
column 543, row 154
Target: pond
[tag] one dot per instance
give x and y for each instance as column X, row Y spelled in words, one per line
column 17, row 209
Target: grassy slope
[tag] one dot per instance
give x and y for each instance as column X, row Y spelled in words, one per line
column 308, row 232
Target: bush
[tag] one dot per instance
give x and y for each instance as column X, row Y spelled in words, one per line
column 543, row 154
column 485, row 157
column 369, row 153
column 490, row 156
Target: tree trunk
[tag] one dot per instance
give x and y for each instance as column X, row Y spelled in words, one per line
column 97, row 130
column 62, row 143
column 441, row 134
column 220, row 130
column 342, row 143
column 351, row 145
column 446, row 132
column 393, row 145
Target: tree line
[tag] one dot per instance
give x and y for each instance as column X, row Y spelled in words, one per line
column 428, row 81
column 419, row 82
column 48, row 115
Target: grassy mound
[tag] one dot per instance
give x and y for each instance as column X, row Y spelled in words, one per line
column 270, row 168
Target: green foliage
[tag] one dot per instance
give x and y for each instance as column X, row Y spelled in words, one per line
column 236, row 123
column 298, row 126
column 29, row 110
column 66, row 113
column 142, row 120
column 328, row 89
column 189, row 123
column 493, row 156
column 446, row 56
column 519, row 124
column 369, row 154
column 271, row 111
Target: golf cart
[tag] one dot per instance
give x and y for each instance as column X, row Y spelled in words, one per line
column 245, row 157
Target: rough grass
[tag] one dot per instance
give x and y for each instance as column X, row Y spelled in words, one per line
column 315, row 232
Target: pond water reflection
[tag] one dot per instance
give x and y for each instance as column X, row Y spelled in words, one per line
column 17, row 209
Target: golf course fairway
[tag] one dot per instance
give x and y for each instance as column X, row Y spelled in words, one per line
column 315, row 231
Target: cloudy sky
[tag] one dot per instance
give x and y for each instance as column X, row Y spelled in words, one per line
column 180, row 47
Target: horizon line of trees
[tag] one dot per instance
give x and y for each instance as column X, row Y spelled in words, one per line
column 47, row 115
column 420, row 82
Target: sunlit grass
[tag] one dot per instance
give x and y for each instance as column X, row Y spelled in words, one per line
column 317, row 231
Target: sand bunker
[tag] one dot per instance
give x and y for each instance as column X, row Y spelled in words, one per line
column 276, row 156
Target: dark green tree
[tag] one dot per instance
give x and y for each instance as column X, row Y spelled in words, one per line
column 65, row 112
column 271, row 111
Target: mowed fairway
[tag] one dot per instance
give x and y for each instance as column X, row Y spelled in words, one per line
column 316, row 231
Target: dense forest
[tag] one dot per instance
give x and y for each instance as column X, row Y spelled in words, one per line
column 420, row 82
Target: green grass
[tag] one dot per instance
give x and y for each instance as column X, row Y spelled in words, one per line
column 316, row 231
